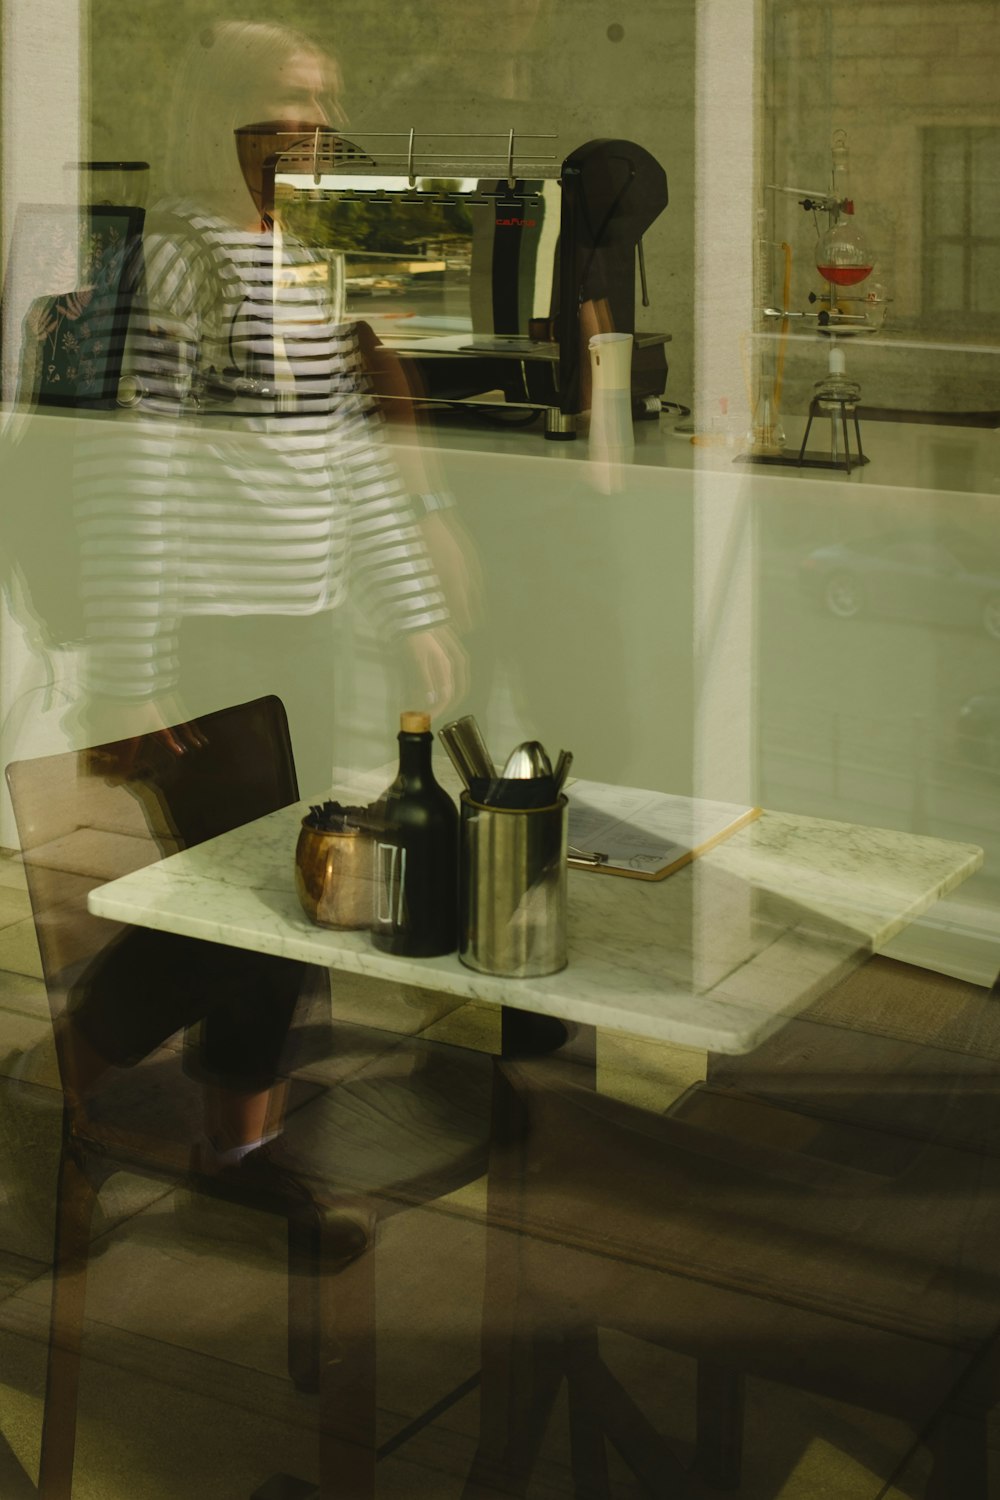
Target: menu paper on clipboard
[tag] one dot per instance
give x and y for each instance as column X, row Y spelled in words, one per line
column 620, row 830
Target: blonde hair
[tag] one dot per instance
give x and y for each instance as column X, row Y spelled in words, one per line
column 226, row 79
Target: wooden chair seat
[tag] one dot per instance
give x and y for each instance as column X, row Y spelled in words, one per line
column 757, row 1241
column 903, row 1050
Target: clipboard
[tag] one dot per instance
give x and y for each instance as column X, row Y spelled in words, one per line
column 645, row 835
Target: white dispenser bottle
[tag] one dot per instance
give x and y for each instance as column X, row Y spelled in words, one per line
column 612, row 440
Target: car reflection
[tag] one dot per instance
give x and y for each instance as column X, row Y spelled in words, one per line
column 947, row 579
column 979, row 731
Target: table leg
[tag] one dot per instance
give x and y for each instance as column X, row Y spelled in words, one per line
column 521, row 1373
column 524, row 1033
column 520, row 1376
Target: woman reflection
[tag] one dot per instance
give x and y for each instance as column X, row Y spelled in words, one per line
column 223, row 519
column 254, row 484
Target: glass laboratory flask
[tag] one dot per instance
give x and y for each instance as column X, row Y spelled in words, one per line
column 836, row 387
column 842, row 256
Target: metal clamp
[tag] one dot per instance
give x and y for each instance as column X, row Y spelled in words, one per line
column 410, row 174
column 586, row 856
column 317, row 174
column 511, row 179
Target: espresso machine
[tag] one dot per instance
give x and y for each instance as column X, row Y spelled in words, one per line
column 485, row 283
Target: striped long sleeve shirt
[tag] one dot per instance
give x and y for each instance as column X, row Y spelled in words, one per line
column 249, row 475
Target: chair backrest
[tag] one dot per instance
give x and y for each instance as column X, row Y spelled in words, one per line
column 89, row 816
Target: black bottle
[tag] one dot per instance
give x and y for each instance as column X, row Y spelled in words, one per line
column 415, row 854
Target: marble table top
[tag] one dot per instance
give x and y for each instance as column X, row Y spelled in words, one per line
column 714, row 957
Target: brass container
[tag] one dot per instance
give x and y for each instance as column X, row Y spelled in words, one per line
column 333, row 876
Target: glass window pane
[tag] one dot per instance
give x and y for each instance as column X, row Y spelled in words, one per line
column 985, row 290
column 985, row 182
column 944, row 194
column 945, row 277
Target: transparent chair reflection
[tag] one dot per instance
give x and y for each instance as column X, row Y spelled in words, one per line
column 406, row 1128
column 824, row 1257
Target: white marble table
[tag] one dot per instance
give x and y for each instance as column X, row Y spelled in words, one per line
column 712, row 958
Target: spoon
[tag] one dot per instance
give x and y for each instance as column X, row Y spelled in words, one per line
column 527, row 761
column 465, row 764
column 464, row 742
column 563, row 762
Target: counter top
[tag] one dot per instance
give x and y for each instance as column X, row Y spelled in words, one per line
column 931, row 453
column 924, row 456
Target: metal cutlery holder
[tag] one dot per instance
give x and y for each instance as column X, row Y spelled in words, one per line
column 513, row 889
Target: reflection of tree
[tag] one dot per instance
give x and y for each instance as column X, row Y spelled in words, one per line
column 396, row 225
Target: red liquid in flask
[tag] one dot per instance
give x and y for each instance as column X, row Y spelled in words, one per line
column 844, row 275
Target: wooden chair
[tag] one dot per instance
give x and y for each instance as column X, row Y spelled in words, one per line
column 903, row 1050
column 756, row 1240
column 408, row 1128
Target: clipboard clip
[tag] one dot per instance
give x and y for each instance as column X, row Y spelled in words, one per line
column 585, row 856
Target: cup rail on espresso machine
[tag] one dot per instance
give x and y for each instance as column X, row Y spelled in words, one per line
column 485, row 267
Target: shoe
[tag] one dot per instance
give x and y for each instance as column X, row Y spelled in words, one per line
column 264, row 1182
column 31, row 1122
column 216, row 1225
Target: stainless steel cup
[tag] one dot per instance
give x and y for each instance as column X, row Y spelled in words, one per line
column 513, row 889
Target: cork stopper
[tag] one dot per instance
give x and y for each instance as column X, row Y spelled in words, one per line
column 414, row 723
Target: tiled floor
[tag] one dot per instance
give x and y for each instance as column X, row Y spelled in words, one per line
column 184, row 1388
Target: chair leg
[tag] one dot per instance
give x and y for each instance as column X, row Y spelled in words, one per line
column 347, row 1369
column 74, row 1208
column 517, row 1396
column 588, row 1449
column 304, row 1261
column 521, row 1370
column 719, row 1441
column 602, row 1398
column 960, row 1457
column 958, row 1437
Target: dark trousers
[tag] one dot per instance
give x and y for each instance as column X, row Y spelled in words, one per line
column 146, row 985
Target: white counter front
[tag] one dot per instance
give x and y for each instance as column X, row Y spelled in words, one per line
column 820, row 644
